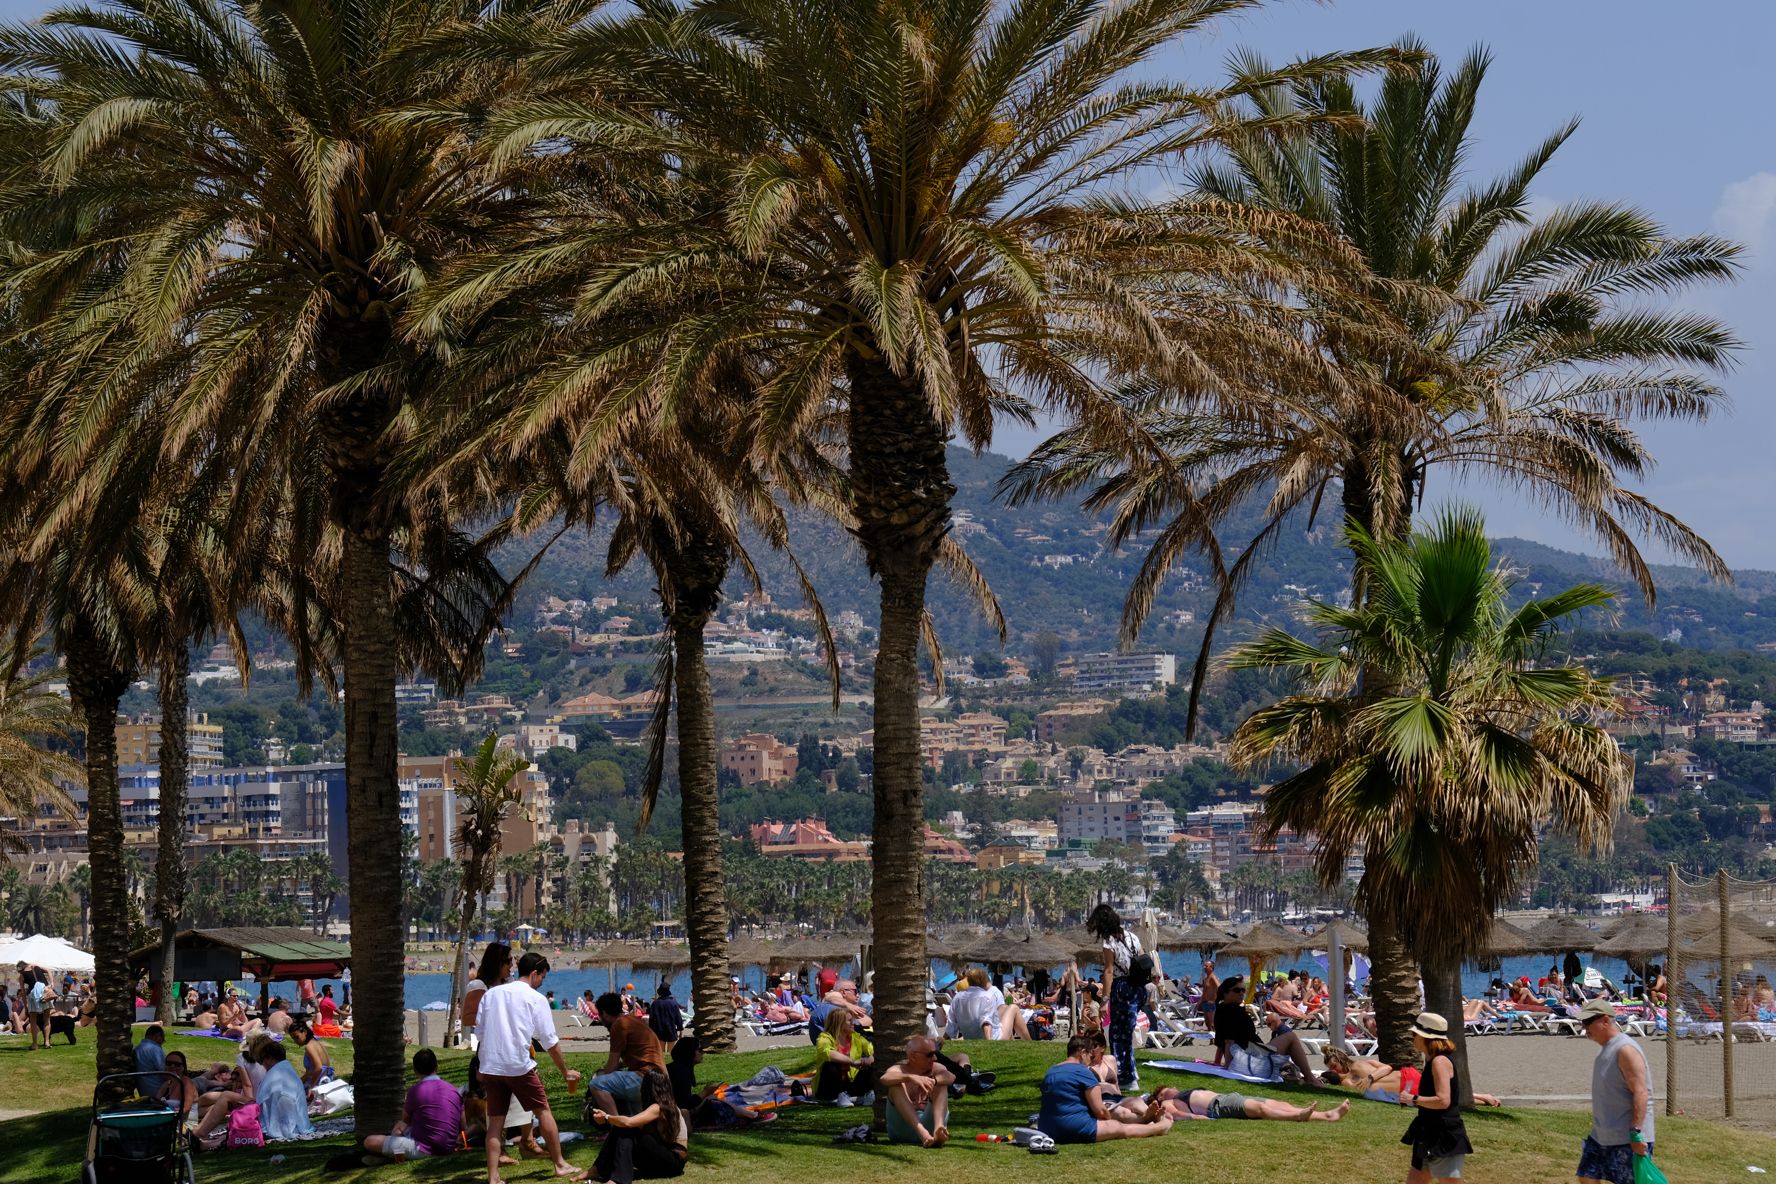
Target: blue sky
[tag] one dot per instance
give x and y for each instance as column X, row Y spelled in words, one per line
column 1676, row 120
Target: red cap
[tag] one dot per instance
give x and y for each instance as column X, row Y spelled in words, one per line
column 828, row 979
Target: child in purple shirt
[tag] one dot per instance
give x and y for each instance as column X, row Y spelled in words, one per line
column 431, row 1121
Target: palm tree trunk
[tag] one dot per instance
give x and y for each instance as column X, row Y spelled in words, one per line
column 1393, row 979
column 900, row 495
column 1443, row 995
column 97, row 685
column 170, row 879
column 373, row 816
column 696, row 591
column 1393, row 987
column 471, row 876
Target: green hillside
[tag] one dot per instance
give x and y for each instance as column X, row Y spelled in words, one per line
column 1051, row 571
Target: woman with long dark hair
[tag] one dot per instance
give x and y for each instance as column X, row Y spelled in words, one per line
column 1121, row 948
column 496, row 968
column 651, row 1144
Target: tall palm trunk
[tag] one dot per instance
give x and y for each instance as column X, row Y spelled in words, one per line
column 170, row 879
column 1443, row 995
column 97, row 684
column 1393, row 979
column 695, row 582
column 373, row 816
column 900, row 495
column 471, row 877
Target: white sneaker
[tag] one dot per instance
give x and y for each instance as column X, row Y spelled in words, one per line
column 868, row 1099
column 843, row 1101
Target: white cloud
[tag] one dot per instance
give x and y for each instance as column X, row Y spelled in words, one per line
column 1747, row 212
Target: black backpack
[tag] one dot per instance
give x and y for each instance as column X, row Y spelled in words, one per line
column 1140, row 971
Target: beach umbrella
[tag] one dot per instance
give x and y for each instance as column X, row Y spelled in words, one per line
column 802, row 951
column 1504, row 940
column 1560, row 935
column 51, row 953
column 1261, row 943
column 1639, row 935
column 1081, row 943
column 665, row 958
column 1349, row 936
column 1028, row 950
column 1200, row 937
column 749, row 951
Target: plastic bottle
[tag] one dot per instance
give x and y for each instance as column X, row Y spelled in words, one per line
column 992, row 1138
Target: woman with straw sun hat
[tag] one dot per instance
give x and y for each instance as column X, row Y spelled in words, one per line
column 1438, row 1139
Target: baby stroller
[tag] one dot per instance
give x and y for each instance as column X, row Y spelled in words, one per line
column 136, row 1141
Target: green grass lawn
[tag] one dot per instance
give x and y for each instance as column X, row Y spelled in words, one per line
column 1513, row 1146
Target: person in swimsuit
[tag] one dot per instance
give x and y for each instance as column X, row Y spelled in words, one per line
column 1376, row 1079
column 1206, row 1103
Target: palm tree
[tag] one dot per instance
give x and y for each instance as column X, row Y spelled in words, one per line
column 35, row 725
column 1447, row 779
column 911, row 218
column 487, row 792
column 1532, row 358
column 252, row 166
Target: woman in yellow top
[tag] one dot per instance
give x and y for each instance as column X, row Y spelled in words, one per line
column 844, row 1062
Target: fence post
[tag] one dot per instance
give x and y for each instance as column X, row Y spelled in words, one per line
column 1726, row 989
column 1673, row 976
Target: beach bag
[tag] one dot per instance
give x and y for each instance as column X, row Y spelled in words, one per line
column 244, row 1129
column 330, row 1096
column 1647, row 1172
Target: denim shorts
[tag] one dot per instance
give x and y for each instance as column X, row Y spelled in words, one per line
column 619, row 1083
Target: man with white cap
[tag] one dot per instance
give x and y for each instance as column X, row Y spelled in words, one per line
column 1621, row 1101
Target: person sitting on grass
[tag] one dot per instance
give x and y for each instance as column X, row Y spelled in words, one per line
column 317, row 1063
column 431, row 1120
column 150, row 1057
column 1073, row 1109
column 844, row 1061
column 918, row 1096
column 277, row 1016
column 179, row 1090
column 634, row 1050
column 281, row 1096
column 1238, row 1046
column 980, row 1012
column 1206, row 1103
column 652, row 1144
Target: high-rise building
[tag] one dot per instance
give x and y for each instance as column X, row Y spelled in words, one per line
column 1124, row 672
column 138, row 740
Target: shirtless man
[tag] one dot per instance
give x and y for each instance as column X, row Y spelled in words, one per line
column 1371, row 1077
column 1210, row 985
column 918, row 1096
column 1206, row 1103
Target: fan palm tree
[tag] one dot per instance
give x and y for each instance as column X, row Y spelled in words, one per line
column 1533, row 358
column 274, row 215
column 917, row 215
column 1446, row 779
column 35, row 725
column 487, row 792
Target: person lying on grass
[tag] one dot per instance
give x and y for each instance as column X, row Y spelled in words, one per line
column 1073, row 1107
column 1206, row 1103
column 1376, row 1079
column 918, row 1096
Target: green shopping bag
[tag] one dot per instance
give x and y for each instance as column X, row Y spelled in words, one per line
column 1647, row 1172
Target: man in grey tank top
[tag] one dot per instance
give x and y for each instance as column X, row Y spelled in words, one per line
column 1621, row 1101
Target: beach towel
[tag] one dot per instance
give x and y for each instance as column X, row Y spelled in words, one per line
column 767, row 1089
column 1210, row 1069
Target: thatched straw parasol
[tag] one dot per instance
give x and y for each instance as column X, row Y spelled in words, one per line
column 1198, row 937
column 750, row 951
column 1505, row 940
column 1349, row 936
column 802, row 951
column 667, row 958
column 1261, row 943
column 616, row 953
column 1558, row 935
column 1639, row 935
column 1028, row 950
column 1080, row 943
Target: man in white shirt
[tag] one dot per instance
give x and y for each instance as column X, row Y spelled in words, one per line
column 981, row 1012
column 512, row 1015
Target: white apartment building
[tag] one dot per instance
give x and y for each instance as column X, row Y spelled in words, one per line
column 1124, row 672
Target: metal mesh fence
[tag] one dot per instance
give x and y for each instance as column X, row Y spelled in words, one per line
column 1720, row 1014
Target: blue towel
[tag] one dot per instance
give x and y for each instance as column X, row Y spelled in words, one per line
column 1209, row 1069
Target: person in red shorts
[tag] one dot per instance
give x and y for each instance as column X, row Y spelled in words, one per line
column 511, row 1017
